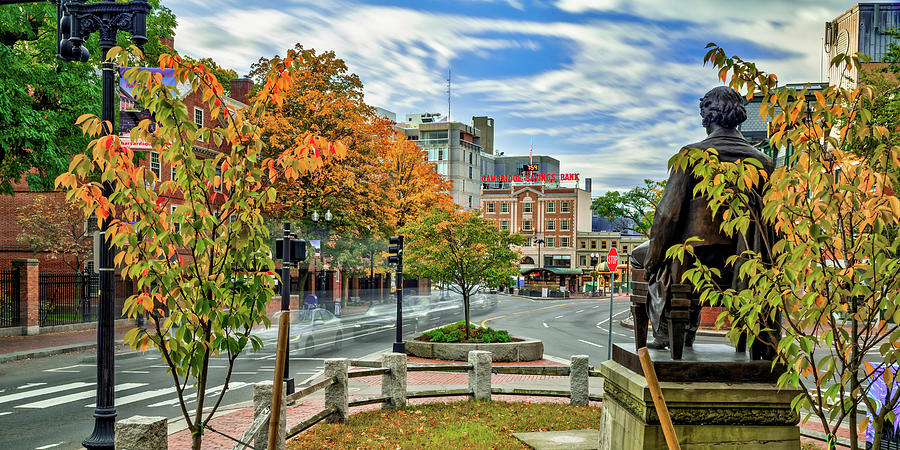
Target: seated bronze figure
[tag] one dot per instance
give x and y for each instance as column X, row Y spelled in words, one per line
column 670, row 305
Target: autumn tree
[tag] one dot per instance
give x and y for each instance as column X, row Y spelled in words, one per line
column 635, row 206
column 827, row 277
column 460, row 249
column 57, row 229
column 41, row 96
column 196, row 265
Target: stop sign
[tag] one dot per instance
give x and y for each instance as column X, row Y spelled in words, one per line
column 612, row 259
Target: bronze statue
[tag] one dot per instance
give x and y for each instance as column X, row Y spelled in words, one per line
column 680, row 215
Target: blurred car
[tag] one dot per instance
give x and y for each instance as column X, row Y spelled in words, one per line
column 316, row 329
column 385, row 316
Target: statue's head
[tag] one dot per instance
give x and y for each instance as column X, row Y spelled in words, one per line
column 722, row 106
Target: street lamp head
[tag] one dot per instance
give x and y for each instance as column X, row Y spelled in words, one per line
column 328, row 216
column 139, row 28
column 315, row 216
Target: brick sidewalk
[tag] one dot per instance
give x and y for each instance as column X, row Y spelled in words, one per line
column 13, row 344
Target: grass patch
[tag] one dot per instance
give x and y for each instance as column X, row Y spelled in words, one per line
column 466, row 424
column 456, row 332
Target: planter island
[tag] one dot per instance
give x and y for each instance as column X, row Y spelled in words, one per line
column 432, row 345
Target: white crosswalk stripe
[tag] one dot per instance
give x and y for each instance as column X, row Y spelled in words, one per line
column 139, row 396
column 190, row 397
column 73, row 397
column 43, row 391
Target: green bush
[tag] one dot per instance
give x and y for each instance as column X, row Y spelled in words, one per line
column 456, row 332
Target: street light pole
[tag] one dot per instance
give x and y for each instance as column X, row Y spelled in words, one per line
column 108, row 18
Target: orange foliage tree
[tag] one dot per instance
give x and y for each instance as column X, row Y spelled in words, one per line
column 195, row 265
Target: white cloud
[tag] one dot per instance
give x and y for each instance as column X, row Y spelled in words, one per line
column 615, row 110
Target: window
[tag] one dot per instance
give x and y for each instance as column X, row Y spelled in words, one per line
column 504, row 207
column 583, row 261
column 526, row 225
column 582, row 244
column 173, row 171
column 198, row 116
column 154, row 164
column 564, row 241
column 526, row 207
column 551, row 242
column 551, row 207
column 625, row 249
column 177, row 224
column 527, row 243
column 470, row 201
column 490, row 207
column 593, row 244
column 470, row 157
column 440, row 154
column 551, row 225
column 602, row 245
column 470, row 173
column 564, row 225
column 564, row 207
column 504, row 225
column 217, row 185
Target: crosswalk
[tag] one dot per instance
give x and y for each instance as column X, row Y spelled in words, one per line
column 37, row 396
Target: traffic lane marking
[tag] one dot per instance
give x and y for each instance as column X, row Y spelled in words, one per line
column 526, row 311
column 545, row 325
column 50, row 445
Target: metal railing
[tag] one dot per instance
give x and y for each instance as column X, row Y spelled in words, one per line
column 9, row 298
column 66, row 298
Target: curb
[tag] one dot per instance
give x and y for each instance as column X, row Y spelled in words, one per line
column 628, row 322
column 53, row 351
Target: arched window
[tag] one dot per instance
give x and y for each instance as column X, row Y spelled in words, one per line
column 527, row 260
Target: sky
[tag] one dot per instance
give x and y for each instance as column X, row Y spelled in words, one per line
column 608, row 87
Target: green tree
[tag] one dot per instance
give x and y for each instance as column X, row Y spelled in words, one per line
column 827, row 276
column 636, row 206
column 196, row 266
column 41, row 96
column 460, row 249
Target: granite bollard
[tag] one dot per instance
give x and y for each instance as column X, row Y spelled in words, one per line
column 579, row 384
column 337, row 393
column 393, row 383
column 480, row 374
column 142, row 433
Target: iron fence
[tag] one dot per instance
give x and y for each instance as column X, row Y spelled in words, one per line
column 67, row 298
column 9, row 298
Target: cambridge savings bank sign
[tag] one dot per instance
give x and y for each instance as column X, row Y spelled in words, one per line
column 529, row 178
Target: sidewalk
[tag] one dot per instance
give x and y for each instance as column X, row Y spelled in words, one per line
column 235, row 421
column 14, row 348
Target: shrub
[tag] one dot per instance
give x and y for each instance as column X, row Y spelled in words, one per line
column 454, row 333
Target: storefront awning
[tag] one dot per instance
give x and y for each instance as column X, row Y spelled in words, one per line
column 554, row 270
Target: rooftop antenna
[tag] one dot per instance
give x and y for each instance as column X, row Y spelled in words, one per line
column 531, row 150
column 448, row 95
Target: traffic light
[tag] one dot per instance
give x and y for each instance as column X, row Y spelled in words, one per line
column 395, row 249
column 297, row 250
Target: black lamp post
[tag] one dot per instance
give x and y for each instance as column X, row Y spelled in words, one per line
column 324, row 233
column 77, row 21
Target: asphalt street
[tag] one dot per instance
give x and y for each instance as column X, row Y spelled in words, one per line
column 47, row 402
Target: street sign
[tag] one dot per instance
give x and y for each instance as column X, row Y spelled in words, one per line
column 612, row 259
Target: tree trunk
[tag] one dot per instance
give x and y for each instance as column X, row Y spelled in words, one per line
column 854, row 381
column 197, row 437
column 466, row 309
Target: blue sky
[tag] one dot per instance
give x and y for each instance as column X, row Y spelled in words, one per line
column 608, row 87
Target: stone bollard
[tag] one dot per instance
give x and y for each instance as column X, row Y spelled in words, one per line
column 142, row 433
column 480, row 374
column 579, row 385
column 393, row 383
column 262, row 399
column 337, row 394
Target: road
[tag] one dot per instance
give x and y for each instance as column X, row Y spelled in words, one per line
column 47, row 403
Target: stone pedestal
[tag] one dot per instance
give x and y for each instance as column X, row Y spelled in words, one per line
column 707, row 415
